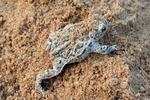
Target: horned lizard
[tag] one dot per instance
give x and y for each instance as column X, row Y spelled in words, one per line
column 73, row 43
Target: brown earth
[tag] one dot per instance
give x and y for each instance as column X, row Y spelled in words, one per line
column 25, row 26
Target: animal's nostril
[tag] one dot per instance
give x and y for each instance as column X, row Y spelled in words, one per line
column 104, row 22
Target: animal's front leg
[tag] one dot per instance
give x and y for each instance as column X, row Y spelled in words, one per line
column 47, row 74
column 103, row 49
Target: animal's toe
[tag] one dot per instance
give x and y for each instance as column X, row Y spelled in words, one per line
column 115, row 47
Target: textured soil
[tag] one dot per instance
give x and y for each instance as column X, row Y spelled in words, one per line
column 24, row 29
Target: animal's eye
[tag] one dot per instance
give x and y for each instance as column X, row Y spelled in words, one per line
column 104, row 29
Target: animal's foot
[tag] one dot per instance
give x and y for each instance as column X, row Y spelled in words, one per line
column 38, row 84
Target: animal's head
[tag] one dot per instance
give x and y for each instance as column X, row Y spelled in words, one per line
column 100, row 27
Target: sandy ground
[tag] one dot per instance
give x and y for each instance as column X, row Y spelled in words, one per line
column 25, row 26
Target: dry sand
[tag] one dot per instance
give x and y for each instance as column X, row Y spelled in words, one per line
column 25, row 26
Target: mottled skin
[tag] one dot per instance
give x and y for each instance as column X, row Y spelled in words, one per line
column 73, row 43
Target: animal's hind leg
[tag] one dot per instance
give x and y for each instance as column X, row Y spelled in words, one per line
column 47, row 74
